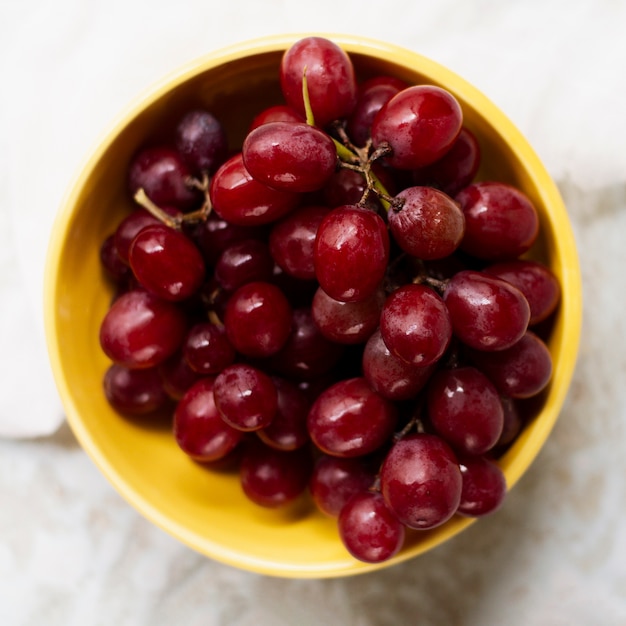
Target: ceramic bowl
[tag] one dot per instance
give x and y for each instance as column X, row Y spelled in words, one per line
column 206, row 509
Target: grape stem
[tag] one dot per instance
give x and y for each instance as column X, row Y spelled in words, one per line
column 200, row 215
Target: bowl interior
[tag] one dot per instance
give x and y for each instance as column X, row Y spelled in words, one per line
column 207, row 509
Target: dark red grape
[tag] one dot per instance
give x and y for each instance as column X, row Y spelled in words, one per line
column 351, row 253
column 130, row 226
column 371, row 98
column 521, row 371
column 292, row 241
column 421, row 481
column 258, row 319
column 206, row 348
column 369, row 530
column 163, row 175
column 290, row 156
column 465, row 409
column 456, row 169
column 420, row 123
column 347, row 322
column 389, row 375
column 487, row 313
column 484, row 486
column 214, row 235
column 134, row 392
column 335, row 480
column 166, row 262
column 241, row 200
column 177, row 376
column 199, row 430
column 330, row 78
column 429, row 224
column 513, row 421
column 276, row 113
column 244, row 262
column 415, row 325
column 350, row 419
column 307, row 354
column 274, row 478
column 500, row 221
column 287, row 430
column 141, row 330
column 245, row 397
column 201, row 141
column 111, row 261
column 535, row 280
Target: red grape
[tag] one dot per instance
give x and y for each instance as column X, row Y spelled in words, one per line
column 351, row 253
column 244, row 262
column 421, row 481
column 291, row 156
column 201, row 141
column 349, row 419
column 500, row 221
column 415, row 325
column 206, row 348
column 369, row 530
column 484, row 486
column 330, row 79
column 276, row 113
column 420, row 123
column 132, row 391
column 199, row 430
column 141, row 330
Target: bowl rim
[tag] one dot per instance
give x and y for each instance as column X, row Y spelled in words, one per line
column 567, row 253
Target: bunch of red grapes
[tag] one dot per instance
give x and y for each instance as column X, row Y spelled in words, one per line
column 337, row 304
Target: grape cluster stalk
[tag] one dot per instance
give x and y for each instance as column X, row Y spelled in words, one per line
column 336, row 304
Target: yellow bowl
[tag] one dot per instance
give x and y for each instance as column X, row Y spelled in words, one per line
column 207, row 510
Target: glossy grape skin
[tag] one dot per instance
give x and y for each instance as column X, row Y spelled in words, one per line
column 420, row 123
column 371, row 98
column 484, row 486
column 487, row 313
column 245, row 397
column 350, row 419
column 292, row 241
column 276, row 113
column 501, row 223
column 199, row 430
column 330, row 77
column 206, row 348
column 535, row 280
column 307, row 354
column 521, row 371
column 134, row 392
column 257, row 319
column 131, row 225
column 163, row 175
column 335, row 480
column 290, row 156
column 241, row 200
column 214, row 235
column 513, row 421
column 274, row 478
column 369, row 530
column 166, row 262
column 244, row 262
column 465, row 409
column 347, row 322
column 456, row 169
column 415, row 325
column 351, row 253
column 140, row 330
column 421, row 481
column 429, row 225
column 201, row 141
column 287, row 430
column 389, row 375
column 111, row 261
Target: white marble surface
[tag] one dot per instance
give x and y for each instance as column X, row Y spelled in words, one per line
column 72, row 553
